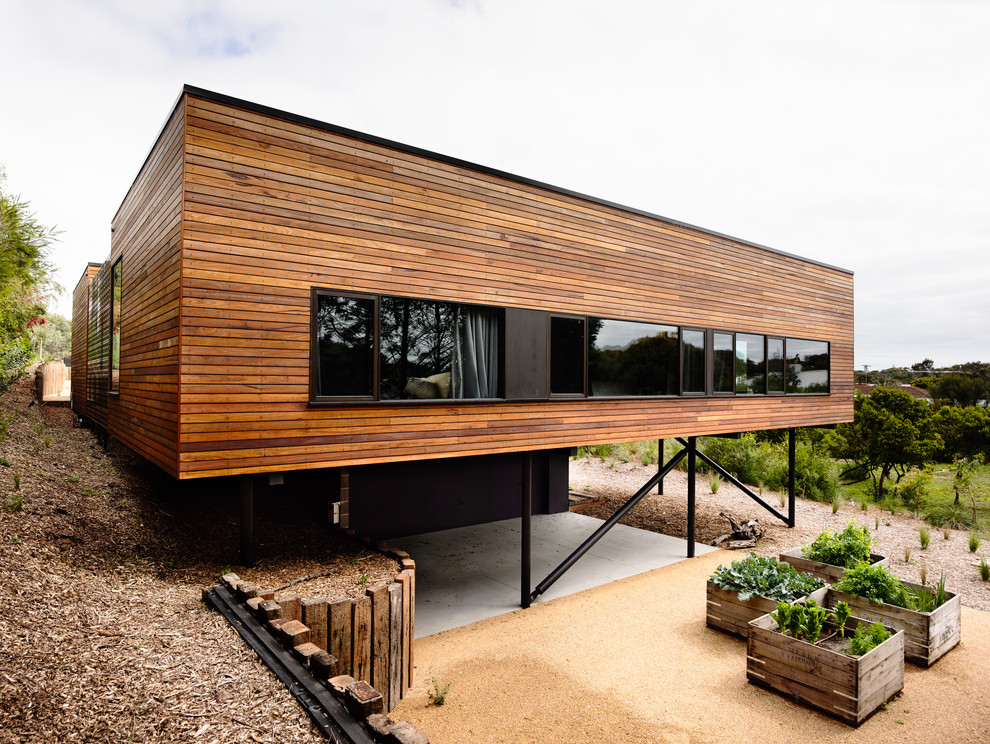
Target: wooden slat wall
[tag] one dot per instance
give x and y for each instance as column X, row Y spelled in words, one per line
column 146, row 235
column 98, row 348
column 80, row 338
column 273, row 208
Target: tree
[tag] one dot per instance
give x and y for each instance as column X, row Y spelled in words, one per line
column 890, row 433
column 926, row 365
column 26, row 278
column 965, row 431
column 52, row 339
column 961, row 389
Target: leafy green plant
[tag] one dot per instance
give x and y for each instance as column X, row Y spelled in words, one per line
column 840, row 616
column 836, row 503
column 15, row 503
column 984, row 569
column 765, row 577
column 864, row 641
column 813, row 620
column 73, row 479
column 363, row 579
column 714, row 481
column 974, row 542
column 874, row 583
column 5, row 462
column 848, row 548
column 927, row 600
column 17, row 482
column 924, row 536
column 437, row 694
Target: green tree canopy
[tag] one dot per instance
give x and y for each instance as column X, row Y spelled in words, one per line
column 26, row 281
column 965, row 431
column 961, row 389
column 890, row 433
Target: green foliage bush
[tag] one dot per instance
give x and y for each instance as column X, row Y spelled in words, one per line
column 848, row 548
column 753, row 462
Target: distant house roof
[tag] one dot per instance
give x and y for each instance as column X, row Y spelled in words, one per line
column 914, row 392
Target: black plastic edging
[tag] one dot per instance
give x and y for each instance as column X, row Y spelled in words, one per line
column 329, row 715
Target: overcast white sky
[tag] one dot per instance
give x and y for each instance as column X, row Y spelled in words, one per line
column 853, row 132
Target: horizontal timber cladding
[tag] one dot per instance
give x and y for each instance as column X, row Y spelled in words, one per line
column 273, row 206
column 80, row 338
column 146, row 239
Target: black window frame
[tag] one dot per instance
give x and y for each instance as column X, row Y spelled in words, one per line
column 732, row 386
column 705, row 374
column 551, row 395
column 828, row 352
column 766, row 347
column 314, row 374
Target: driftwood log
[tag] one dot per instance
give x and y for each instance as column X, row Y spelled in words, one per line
column 743, row 535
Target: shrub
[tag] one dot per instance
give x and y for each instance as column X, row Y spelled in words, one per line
column 984, row 569
column 924, row 536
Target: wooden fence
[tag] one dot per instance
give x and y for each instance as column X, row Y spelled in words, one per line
column 49, row 379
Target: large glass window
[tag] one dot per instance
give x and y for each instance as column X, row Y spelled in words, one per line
column 807, row 366
column 567, row 347
column 751, row 364
column 425, row 349
column 630, row 358
column 692, row 361
column 345, row 346
column 723, row 362
column 117, row 277
column 775, row 365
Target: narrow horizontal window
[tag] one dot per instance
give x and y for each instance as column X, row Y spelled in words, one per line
column 631, row 358
column 807, row 366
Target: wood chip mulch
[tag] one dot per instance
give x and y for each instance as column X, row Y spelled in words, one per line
column 103, row 636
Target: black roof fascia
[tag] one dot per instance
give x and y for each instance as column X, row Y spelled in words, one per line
column 372, row 139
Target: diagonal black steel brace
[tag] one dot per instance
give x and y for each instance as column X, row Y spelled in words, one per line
column 741, row 486
column 608, row 524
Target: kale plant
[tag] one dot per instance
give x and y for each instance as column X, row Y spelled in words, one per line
column 765, row 577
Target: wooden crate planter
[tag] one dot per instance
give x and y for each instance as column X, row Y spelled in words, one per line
column 826, row 571
column 726, row 612
column 927, row 635
column 848, row 687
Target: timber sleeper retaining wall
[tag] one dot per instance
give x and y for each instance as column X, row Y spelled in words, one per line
column 368, row 639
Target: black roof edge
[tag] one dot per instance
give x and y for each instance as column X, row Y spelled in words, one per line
column 372, row 139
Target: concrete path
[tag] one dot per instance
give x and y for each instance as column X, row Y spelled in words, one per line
column 472, row 573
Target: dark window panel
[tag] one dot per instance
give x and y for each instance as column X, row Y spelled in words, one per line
column 723, row 358
column 693, row 361
column 567, row 364
column 345, row 340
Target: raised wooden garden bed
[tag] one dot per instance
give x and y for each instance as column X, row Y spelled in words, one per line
column 850, row 688
column 727, row 613
column 825, row 571
column 927, row 635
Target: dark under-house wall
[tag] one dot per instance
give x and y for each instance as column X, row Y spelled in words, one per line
column 408, row 498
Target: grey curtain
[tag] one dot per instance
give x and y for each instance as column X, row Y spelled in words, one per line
column 474, row 372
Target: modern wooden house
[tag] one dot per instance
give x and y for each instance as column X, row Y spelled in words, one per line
column 285, row 295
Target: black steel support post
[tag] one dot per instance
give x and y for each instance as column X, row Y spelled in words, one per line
column 606, row 526
column 692, row 451
column 660, row 465
column 527, row 530
column 737, row 483
column 246, row 489
column 791, row 490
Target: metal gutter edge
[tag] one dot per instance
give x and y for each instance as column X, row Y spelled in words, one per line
column 329, row 715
